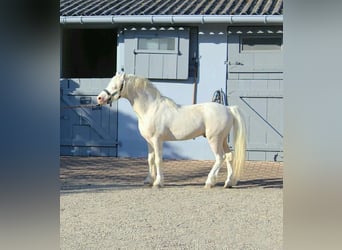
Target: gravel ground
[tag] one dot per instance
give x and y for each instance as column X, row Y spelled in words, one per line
column 184, row 217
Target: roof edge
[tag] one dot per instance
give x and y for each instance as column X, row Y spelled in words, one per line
column 172, row 19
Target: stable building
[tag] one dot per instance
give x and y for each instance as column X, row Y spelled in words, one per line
column 229, row 51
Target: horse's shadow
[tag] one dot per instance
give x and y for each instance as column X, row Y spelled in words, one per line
column 265, row 183
column 247, row 184
column 255, row 183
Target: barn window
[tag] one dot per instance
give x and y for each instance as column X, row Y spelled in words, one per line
column 157, row 44
column 88, row 53
column 158, row 53
column 261, row 43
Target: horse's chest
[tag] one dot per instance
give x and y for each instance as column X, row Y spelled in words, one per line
column 146, row 128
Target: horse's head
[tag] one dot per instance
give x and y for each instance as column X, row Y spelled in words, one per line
column 113, row 91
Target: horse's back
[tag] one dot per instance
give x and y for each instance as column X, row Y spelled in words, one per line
column 213, row 111
column 216, row 118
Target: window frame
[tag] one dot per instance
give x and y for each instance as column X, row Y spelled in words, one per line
column 156, row 51
column 241, row 50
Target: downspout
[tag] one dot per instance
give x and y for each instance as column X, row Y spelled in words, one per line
column 173, row 19
column 194, row 95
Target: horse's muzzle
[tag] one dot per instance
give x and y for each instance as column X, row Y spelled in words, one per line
column 101, row 99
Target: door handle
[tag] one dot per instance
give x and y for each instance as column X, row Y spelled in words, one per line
column 235, row 63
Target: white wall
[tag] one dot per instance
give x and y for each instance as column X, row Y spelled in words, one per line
column 212, row 76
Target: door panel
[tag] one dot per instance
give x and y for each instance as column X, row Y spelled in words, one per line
column 86, row 131
column 255, row 84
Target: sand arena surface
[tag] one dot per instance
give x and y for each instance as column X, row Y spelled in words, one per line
column 104, row 205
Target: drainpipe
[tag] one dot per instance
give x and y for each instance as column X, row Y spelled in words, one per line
column 173, row 19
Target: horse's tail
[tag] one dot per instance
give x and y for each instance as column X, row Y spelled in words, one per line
column 239, row 130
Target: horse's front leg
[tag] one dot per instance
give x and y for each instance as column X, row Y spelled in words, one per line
column 158, row 152
column 151, row 166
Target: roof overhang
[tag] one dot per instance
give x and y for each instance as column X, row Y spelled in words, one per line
column 172, row 19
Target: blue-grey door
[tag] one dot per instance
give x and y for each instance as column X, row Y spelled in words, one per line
column 255, row 83
column 86, row 131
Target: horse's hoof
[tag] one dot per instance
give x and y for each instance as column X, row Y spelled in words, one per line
column 147, row 183
column 227, row 186
column 208, row 186
column 157, row 186
column 230, row 183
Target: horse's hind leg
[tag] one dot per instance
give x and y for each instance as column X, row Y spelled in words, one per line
column 228, row 158
column 216, row 146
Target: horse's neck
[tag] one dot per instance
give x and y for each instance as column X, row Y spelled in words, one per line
column 141, row 102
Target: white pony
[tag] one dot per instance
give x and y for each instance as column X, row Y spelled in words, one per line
column 161, row 119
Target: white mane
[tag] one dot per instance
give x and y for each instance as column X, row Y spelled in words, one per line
column 144, row 85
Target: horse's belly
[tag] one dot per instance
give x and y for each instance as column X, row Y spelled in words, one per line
column 184, row 131
column 179, row 135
